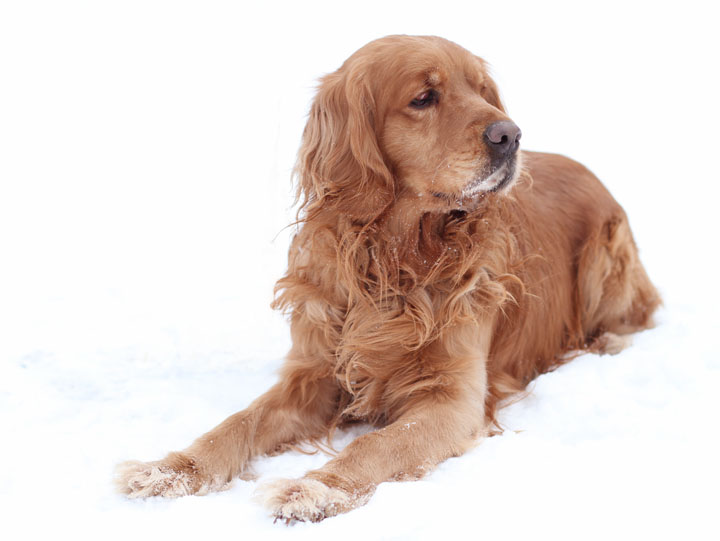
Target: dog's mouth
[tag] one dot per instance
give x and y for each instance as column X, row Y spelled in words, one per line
column 500, row 179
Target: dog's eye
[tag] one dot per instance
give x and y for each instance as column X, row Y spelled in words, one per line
column 427, row 98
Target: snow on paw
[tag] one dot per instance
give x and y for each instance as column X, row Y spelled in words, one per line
column 306, row 500
column 144, row 479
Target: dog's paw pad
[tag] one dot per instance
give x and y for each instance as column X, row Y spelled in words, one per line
column 304, row 500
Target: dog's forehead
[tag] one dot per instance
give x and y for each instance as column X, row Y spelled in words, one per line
column 439, row 65
column 435, row 74
column 428, row 60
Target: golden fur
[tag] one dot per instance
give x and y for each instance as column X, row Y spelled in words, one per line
column 422, row 291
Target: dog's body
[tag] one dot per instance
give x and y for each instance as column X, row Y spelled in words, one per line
column 422, row 289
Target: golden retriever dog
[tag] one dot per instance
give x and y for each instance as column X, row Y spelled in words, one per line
column 436, row 270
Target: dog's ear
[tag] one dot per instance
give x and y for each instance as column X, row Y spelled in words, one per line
column 490, row 90
column 340, row 165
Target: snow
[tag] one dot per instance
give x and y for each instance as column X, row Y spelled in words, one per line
column 145, row 155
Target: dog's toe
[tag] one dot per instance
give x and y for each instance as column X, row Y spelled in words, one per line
column 611, row 344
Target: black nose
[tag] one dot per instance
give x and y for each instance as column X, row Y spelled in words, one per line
column 503, row 138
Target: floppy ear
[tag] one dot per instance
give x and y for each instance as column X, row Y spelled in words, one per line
column 340, row 165
column 490, row 90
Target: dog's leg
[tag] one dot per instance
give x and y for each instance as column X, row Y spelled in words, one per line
column 299, row 407
column 406, row 449
column 432, row 423
column 616, row 295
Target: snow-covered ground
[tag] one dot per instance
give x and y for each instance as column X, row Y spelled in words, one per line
column 145, row 151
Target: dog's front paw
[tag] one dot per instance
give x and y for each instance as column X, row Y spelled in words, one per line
column 143, row 479
column 306, row 500
column 173, row 477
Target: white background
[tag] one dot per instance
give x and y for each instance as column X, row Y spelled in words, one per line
column 145, row 157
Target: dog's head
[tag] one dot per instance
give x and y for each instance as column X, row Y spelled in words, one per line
column 409, row 118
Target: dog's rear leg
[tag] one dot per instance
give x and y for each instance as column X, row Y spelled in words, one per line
column 299, row 407
column 616, row 295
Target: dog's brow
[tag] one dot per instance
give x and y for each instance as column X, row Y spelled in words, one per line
column 432, row 77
